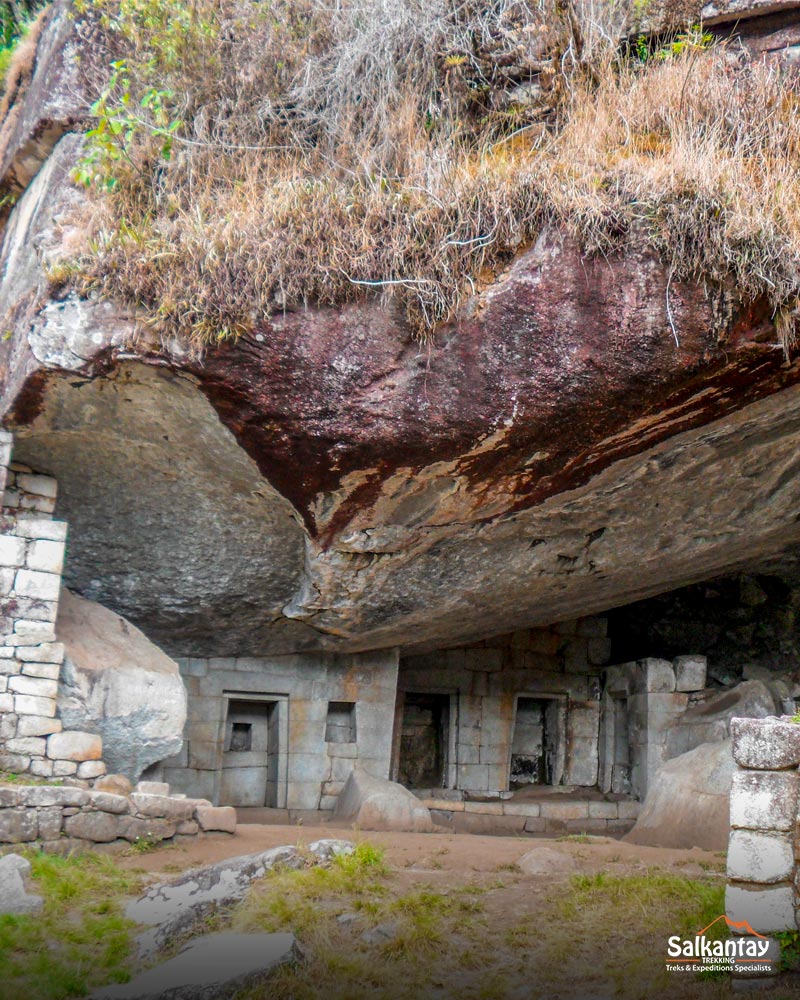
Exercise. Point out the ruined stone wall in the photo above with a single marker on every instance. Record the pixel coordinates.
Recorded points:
(326, 712)
(32, 738)
(764, 846)
(64, 818)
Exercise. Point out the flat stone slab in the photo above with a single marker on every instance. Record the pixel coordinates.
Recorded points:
(210, 966)
(173, 909)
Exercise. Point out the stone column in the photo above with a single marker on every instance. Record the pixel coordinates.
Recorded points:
(762, 888)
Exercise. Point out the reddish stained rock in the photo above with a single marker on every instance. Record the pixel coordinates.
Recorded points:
(566, 365)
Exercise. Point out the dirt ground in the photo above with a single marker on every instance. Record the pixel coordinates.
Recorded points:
(588, 921)
(434, 853)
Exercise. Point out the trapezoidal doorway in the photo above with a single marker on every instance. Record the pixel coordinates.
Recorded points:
(251, 753)
(537, 746)
(424, 740)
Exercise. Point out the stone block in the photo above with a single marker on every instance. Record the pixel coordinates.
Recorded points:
(7, 702)
(35, 610)
(109, 802)
(74, 745)
(473, 777)
(187, 828)
(216, 818)
(30, 633)
(489, 660)
(12, 550)
(766, 909)
(759, 857)
(485, 808)
(41, 486)
(134, 828)
(766, 744)
(89, 769)
(45, 556)
(31, 746)
(14, 762)
(162, 807)
(8, 797)
(50, 821)
(654, 676)
(521, 809)
(48, 652)
(8, 723)
(764, 800)
(204, 756)
(41, 527)
(41, 767)
(64, 768)
(49, 671)
(18, 826)
(628, 809)
(690, 672)
(603, 810)
(37, 686)
(535, 824)
(152, 788)
(37, 725)
(53, 795)
(10, 667)
(25, 704)
(31, 583)
(565, 810)
(99, 827)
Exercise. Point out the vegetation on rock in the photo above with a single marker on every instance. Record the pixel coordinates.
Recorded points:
(251, 158)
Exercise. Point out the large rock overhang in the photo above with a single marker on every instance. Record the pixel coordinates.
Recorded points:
(588, 433)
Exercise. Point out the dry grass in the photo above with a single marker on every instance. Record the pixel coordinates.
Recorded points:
(412, 149)
(474, 936)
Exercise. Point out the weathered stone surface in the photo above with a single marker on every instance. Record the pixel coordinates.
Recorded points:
(161, 806)
(220, 818)
(152, 787)
(18, 826)
(135, 828)
(109, 802)
(13, 896)
(74, 745)
(99, 827)
(173, 909)
(377, 804)
(117, 684)
(117, 784)
(690, 673)
(212, 966)
(546, 861)
(766, 744)
(764, 800)
(760, 857)
(768, 909)
(687, 803)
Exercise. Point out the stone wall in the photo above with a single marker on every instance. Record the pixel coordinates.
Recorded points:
(764, 846)
(558, 668)
(32, 738)
(321, 713)
(62, 818)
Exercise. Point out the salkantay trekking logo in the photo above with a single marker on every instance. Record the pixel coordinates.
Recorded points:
(746, 952)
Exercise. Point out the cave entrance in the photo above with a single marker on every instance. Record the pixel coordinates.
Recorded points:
(537, 754)
(252, 753)
(424, 740)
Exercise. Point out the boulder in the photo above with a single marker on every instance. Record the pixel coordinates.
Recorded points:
(211, 966)
(117, 684)
(546, 861)
(377, 804)
(688, 801)
(13, 896)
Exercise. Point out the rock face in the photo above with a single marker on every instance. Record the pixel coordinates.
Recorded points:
(688, 803)
(325, 483)
(116, 683)
(377, 804)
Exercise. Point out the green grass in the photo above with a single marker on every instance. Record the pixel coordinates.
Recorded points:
(79, 940)
(10, 778)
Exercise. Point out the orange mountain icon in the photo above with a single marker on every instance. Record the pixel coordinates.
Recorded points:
(742, 926)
